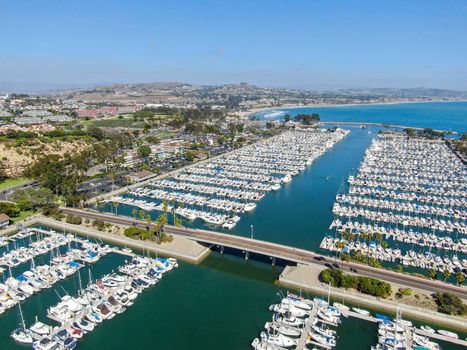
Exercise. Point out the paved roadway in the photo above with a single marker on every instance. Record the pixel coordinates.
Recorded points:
(280, 251)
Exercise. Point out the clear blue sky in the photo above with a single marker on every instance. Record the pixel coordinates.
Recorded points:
(309, 43)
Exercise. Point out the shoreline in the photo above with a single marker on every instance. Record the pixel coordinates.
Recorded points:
(284, 279)
(329, 105)
(306, 277)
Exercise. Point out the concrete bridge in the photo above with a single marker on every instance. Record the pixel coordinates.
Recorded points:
(276, 251)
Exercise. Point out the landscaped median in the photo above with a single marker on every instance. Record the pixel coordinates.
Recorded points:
(366, 285)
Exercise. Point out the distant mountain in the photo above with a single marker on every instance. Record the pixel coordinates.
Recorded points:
(7, 87)
(419, 92)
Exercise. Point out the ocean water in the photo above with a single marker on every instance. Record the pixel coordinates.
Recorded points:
(450, 116)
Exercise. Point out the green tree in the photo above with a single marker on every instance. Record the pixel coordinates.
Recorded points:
(190, 155)
(50, 170)
(144, 151)
(32, 198)
(95, 132)
(9, 209)
(134, 212)
(3, 175)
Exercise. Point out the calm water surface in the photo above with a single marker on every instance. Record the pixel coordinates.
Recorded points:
(223, 302)
(437, 115)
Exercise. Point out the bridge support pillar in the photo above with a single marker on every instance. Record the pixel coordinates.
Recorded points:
(247, 255)
(222, 249)
(273, 261)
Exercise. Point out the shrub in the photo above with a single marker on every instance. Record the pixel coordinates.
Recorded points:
(99, 224)
(366, 285)
(135, 232)
(405, 291)
(374, 287)
(450, 304)
(73, 219)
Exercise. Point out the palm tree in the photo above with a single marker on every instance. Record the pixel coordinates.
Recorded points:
(432, 273)
(134, 212)
(363, 236)
(148, 220)
(174, 214)
(340, 245)
(98, 202)
(379, 237)
(142, 214)
(446, 274)
(460, 278)
(180, 222)
(165, 206)
(115, 205)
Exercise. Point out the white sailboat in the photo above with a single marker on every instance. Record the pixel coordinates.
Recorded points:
(22, 335)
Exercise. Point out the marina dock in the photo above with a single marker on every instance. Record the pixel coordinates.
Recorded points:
(304, 336)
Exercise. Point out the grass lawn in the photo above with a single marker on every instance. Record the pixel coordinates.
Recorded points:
(119, 123)
(23, 215)
(13, 182)
(165, 134)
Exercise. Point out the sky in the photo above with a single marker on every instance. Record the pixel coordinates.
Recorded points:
(313, 44)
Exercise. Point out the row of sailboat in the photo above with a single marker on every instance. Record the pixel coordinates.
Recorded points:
(409, 192)
(99, 301)
(299, 323)
(218, 191)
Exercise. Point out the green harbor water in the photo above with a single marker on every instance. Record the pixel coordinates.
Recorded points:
(223, 302)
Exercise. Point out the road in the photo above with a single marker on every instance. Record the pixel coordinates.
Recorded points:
(280, 251)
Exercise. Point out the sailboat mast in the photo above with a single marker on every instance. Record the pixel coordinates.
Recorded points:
(80, 284)
(21, 315)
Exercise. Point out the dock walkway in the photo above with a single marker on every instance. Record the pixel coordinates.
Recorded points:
(409, 339)
(304, 336)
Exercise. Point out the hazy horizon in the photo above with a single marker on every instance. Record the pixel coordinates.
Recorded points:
(40, 87)
(301, 44)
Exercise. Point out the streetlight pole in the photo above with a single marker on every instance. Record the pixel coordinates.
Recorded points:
(251, 231)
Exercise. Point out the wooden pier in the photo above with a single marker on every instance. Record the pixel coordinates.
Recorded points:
(306, 330)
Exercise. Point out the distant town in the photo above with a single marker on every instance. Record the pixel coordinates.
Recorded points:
(154, 128)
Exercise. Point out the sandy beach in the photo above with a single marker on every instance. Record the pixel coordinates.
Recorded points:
(327, 105)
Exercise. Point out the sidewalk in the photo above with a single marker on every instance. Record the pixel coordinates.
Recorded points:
(306, 277)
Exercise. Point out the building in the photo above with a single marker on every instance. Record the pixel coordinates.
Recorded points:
(140, 176)
(4, 220)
